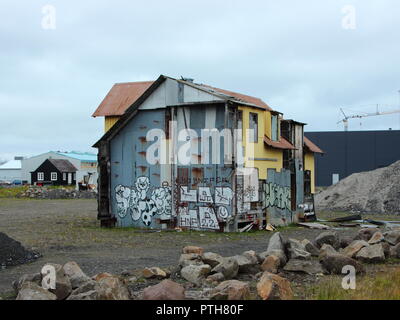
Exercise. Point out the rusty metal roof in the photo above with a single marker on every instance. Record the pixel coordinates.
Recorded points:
(121, 97)
(312, 146)
(239, 96)
(281, 144)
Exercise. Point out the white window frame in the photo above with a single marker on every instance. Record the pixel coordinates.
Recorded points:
(40, 176)
(64, 176)
(52, 175)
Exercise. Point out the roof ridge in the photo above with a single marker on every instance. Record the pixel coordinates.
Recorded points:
(132, 82)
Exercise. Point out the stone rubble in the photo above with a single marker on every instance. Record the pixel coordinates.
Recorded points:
(208, 275)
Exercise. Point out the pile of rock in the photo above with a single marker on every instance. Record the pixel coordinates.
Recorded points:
(216, 277)
(36, 192)
(13, 253)
(71, 283)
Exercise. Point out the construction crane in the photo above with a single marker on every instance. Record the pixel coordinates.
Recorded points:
(346, 118)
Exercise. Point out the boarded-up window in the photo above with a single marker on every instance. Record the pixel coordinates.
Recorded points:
(183, 176)
(197, 176)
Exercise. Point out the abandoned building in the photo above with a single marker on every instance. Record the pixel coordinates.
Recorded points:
(180, 154)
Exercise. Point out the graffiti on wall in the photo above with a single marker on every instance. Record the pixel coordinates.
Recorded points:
(141, 204)
(204, 216)
(277, 196)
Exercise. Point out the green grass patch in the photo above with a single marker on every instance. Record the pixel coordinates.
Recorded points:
(384, 285)
(12, 192)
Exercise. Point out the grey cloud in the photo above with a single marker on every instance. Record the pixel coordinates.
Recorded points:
(294, 55)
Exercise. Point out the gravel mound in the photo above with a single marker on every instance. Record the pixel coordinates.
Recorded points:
(12, 253)
(376, 191)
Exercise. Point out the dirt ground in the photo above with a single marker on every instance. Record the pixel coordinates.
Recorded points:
(67, 230)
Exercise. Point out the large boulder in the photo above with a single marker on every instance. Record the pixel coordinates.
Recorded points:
(165, 290)
(304, 266)
(112, 288)
(386, 249)
(193, 249)
(87, 295)
(371, 254)
(154, 273)
(325, 250)
(299, 254)
(392, 237)
(246, 265)
(87, 291)
(278, 253)
(377, 237)
(32, 277)
(228, 267)
(345, 241)
(231, 290)
(297, 250)
(75, 274)
(102, 275)
(211, 258)
(365, 234)
(252, 256)
(352, 249)
(334, 263)
(310, 247)
(31, 291)
(63, 286)
(327, 237)
(395, 251)
(215, 277)
(195, 273)
(187, 259)
(276, 242)
(274, 287)
(271, 264)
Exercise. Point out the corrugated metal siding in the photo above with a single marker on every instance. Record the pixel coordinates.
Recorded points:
(278, 197)
(135, 184)
(353, 151)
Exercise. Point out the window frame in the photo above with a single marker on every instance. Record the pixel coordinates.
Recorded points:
(40, 176)
(52, 175)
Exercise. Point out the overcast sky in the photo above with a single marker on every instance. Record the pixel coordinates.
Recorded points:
(306, 60)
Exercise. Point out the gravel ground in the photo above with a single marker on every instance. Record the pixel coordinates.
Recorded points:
(67, 230)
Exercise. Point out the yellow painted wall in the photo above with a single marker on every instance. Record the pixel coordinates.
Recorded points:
(260, 149)
(309, 164)
(109, 122)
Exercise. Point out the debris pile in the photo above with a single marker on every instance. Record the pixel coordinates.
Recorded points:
(204, 275)
(36, 192)
(12, 253)
(376, 191)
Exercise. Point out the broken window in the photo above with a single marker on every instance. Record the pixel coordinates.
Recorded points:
(253, 125)
(274, 127)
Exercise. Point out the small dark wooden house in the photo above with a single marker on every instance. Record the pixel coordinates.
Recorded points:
(56, 172)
